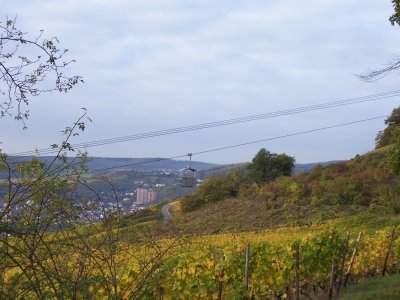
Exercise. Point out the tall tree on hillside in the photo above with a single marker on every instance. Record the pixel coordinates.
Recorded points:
(391, 135)
(388, 136)
(395, 18)
(393, 155)
(267, 166)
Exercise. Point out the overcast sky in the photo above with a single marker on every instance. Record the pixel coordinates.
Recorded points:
(158, 64)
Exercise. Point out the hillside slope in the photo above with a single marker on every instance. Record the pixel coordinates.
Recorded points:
(358, 186)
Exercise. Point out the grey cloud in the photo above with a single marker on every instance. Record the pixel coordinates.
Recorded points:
(158, 64)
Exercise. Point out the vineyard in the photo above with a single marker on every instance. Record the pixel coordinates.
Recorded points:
(229, 266)
(267, 269)
(72, 227)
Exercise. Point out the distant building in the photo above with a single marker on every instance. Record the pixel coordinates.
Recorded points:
(144, 196)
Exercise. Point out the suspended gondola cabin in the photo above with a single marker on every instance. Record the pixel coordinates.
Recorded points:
(189, 175)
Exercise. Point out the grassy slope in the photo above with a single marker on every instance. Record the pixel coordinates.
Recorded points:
(249, 214)
(383, 288)
(235, 215)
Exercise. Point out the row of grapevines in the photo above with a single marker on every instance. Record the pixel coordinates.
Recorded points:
(198, 272)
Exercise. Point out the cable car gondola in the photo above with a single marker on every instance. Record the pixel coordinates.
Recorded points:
(189, 175)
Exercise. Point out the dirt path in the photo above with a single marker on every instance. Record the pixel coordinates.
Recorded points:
(165, 212)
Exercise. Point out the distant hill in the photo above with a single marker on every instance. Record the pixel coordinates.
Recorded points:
(223, 170)
(305, 168)
(220, 170)
(158, 163)
(128, 164)
(150, 163)
(123, 172)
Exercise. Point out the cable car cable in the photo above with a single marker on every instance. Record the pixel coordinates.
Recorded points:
(250, 118)
(245, 144)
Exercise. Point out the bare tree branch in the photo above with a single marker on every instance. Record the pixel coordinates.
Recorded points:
(29, 66)
(375, 75)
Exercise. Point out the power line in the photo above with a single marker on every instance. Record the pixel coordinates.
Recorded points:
(245, 144)
(349, 101)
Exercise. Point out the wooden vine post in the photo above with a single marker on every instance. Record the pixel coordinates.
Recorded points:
(384, 269)
(332, 279)
(297, 257)
(343, 261)
(160, 293)
(221, 276)
(398, 271)
(353, 257)
(247, 271)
